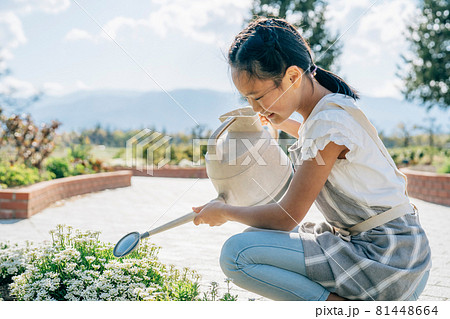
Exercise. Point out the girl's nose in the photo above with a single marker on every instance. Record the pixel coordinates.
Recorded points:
(255, 105)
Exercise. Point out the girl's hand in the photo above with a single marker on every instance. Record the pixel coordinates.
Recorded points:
(212, 213)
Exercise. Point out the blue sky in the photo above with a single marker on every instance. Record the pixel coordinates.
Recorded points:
(54, 46)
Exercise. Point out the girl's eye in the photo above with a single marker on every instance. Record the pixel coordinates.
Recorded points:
(245, 98)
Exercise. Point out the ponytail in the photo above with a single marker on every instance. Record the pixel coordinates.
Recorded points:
(334, 83)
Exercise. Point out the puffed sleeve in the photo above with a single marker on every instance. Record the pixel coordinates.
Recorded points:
(336, 126)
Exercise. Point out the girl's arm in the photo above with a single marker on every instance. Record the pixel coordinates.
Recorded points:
(289, 212)
(289, 126)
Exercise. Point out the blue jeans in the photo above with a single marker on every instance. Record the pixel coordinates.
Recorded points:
(271, 263)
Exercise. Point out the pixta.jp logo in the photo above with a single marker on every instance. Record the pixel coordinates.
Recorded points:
(144, 148)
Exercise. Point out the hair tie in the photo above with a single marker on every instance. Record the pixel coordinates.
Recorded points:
(314, 69)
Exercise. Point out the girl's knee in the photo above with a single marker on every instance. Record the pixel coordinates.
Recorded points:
(229, 254)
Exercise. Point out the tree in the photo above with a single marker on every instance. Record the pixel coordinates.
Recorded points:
(431, 129)
(32, 143)
(405, 133)
(426, 77)
(309, 17)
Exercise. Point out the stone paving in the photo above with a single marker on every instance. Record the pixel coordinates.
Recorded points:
(152, 201)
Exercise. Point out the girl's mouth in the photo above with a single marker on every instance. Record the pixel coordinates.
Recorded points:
(271, 115)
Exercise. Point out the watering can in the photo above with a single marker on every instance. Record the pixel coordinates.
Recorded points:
(245, 164)
(244, 161)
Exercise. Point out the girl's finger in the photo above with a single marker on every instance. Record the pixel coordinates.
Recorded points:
(197, 221)
(198, 209)
(263, 119)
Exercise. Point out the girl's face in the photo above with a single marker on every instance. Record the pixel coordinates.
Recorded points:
(275, 103)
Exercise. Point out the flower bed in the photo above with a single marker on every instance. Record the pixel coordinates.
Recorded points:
(77, 266)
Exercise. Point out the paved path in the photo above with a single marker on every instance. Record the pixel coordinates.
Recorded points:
(152, 201)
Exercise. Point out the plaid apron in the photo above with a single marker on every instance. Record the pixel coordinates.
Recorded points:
(384, 263)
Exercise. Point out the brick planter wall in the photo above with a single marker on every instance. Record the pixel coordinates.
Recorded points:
(431, 187)
(169, 171)
(27, 201)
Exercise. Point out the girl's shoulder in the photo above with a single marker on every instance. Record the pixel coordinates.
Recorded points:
(336, 101)
(330, 123)
(329, 113)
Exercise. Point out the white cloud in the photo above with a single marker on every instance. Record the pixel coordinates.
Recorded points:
(47, 6)
(378, 30)
(203, 21)
(53, 88)
(16, 88)
(113, 26)
(386, 88)
(11, 30)
(11, 34)
(78, 34)
(373, 44)
(80, 85)
(388, 21)
(342, 13)
(57, 89)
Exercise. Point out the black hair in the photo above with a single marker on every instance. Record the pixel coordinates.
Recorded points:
(266, 48)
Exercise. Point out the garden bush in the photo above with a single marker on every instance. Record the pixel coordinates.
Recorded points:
(418, 155)
(445, 168)
(75, 265)
(59, 166)
(20, 175)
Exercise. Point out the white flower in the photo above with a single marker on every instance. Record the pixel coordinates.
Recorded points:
(90, 258)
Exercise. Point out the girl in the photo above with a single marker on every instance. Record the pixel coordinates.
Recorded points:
(372, 246)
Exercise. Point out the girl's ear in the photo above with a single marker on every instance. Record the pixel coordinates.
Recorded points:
(294, 76)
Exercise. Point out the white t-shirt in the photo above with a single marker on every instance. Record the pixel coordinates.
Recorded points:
(365, 174)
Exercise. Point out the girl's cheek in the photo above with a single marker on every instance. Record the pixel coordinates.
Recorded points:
(266, 105)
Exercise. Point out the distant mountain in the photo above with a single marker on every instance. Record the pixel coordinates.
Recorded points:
(135, 110)
(386, 113)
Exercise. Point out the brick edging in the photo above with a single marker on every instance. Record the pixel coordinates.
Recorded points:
(428, 186)
(168, 171)
(27, 201)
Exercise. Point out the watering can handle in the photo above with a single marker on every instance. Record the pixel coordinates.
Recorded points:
(226, 124)
(177, 222)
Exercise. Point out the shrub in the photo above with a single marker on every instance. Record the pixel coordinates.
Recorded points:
(445, 168)
(77, 266)
(59, 166)
(80, 152)
(32, 143)
(19, 175)
(70, 166)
